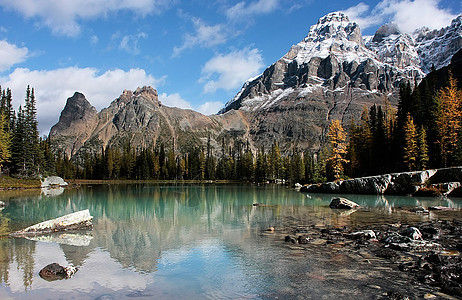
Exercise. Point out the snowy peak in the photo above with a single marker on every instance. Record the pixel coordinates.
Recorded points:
(334, 61)
(395, 48)
(436, 47)
(385, 31)
(332, 34)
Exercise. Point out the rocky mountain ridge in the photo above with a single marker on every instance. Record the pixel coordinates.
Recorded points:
(334, 57)
(333, 73)
(139, 118)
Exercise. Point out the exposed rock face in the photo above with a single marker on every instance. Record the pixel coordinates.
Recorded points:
(407, 183)
(333, 73)
(140, 118)
(76, 124)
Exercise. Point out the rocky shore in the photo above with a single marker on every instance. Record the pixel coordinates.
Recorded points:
(428, 252)
(435, 182)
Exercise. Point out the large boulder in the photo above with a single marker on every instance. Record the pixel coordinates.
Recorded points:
(343, 203)
(366, 185)
(75, 221)
(408, 183)
(55, 271)
(53, 181)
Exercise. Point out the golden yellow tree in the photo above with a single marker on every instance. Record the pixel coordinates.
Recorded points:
(410, 147)
(449, 118)
(338, 143)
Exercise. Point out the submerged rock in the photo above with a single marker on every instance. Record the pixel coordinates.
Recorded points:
(55, 271)
(342, 203)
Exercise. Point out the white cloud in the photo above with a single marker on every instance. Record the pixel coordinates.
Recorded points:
(408, 14)
(209, 108)
(204, 36)
(229, 71)
(411, 15)
(174, 100)
(53, 87)
(358, 14)
(10, 55)
(129, 43)
(94, 40)
(63, 17)
(242, 10)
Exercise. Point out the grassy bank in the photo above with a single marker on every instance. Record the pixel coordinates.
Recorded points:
(7, 182)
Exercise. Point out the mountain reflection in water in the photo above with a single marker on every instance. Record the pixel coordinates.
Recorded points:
(181, 241)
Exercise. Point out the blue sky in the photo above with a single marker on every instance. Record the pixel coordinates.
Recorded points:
(197, 54)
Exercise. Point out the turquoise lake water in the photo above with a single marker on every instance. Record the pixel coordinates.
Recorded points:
(194, 242)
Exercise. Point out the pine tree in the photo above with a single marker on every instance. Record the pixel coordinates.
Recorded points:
(18, 145)
(422, 149)
(338, 144)
(410, 146)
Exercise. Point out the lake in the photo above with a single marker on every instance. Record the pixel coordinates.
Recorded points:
(153, 241)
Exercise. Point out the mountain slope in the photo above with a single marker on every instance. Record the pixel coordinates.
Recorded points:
(139, 118)
(333, 73)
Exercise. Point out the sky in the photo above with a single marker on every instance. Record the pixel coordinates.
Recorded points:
(197, 54)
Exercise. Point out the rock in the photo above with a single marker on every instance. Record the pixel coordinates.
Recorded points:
(440, 208)
(364, 234)
(78, 220)
(53, 181)
(290, 239)
(342, 203)
(419, 209)
(303, 239)
(55, 271)
(412, 233)
(297, 186)
(444, 182)
(2, 204)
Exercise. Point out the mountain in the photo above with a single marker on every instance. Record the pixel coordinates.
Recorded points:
(139, 118)
(333, 73)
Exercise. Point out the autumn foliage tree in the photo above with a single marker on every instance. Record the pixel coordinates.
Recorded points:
(410, 147)
(338, 142)
(449, 119)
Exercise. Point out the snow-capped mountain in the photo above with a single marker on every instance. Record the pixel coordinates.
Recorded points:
(333, 73)
(336, 59)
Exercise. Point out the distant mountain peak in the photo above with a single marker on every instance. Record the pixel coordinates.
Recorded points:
(385, 31)
(332, 34)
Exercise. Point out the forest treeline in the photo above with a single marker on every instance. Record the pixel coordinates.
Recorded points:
(423, 132)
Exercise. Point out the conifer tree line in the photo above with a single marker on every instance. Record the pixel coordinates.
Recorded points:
(424, 132)
(22, 152)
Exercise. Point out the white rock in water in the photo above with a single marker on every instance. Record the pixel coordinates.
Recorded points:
(78, 220)
(51, 181)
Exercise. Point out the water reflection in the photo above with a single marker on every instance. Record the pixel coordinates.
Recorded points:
(154, 238)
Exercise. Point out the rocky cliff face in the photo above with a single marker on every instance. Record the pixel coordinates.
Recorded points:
(333, 73)
(139, 118)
